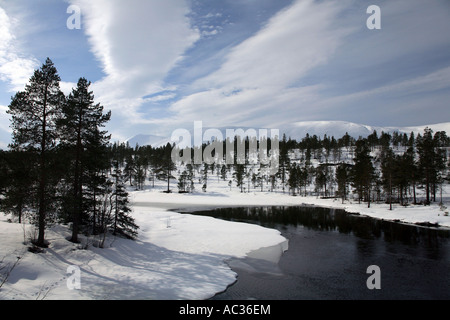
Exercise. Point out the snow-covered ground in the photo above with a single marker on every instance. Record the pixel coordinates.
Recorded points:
(176, 256)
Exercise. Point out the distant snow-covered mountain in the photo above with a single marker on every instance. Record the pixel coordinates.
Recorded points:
(147, 140)
(298, 130)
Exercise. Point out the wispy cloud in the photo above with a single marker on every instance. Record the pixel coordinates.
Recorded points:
(405, 99)
(316, 60)
(5, 130)
(258, 79)
(137, 43)
(4, 120)
(15, 66)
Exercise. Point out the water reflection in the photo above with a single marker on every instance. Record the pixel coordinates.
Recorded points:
(324, 219)
(426, 242)
(329, 251)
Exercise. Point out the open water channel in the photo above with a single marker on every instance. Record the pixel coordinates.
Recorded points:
(329, 252)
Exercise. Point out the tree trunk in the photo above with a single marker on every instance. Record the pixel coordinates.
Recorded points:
(20, 208)
(434, 191)
(390, 192)
(94, 214)
(43, 178)
(168, 181)
(401, 195)
(76, 213)
(116, 206)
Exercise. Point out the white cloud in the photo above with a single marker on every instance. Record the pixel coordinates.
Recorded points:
(408, 90)
(437, 80)
(66, 87)
(161, 97)
(316, 60)
(4, 119)
(15, 67)
(137, 43)
(257, 80)
(5, 130)
(293, 42)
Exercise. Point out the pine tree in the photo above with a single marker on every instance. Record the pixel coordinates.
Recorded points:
(204, 173)
(4, 173)
(385, 139)
(387, 172)
(98, 185)
(411, 169)
(430, 161)
(342, 178)
(97, 189)
(82, 139)
(363, 172)
(411, 140)
(303, 176)
(440, 141)
(123, 222)
(404, 169)
(141, 165)
(238, 174)
(165, 165)
(34, 112)
(373, 140)
(18, 176)
(130, 168)
(284, 160)
(294, 178)
(261, 176)
(223, 172)
(182, 182)
(323, 178)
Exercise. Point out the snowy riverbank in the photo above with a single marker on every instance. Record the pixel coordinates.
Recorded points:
(176, 256)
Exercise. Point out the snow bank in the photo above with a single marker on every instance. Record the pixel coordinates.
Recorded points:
(202, 235)
(124, 270)
(176, 256)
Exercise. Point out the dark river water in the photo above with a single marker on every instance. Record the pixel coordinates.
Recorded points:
(329, 253)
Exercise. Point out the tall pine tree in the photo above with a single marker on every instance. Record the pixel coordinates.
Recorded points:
(432, 160)
(363, 171)
(387, 158)
(342, 179)
(165, 165)
(34, 112)
(82, 138)
(19, 177)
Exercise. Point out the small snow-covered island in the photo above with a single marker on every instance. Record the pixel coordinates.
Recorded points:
(89, 219)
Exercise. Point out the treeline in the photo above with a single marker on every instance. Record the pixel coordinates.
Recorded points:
(58, 168)
(144, 163)
(386, 167)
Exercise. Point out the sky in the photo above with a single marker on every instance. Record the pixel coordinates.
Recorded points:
(160, 65)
